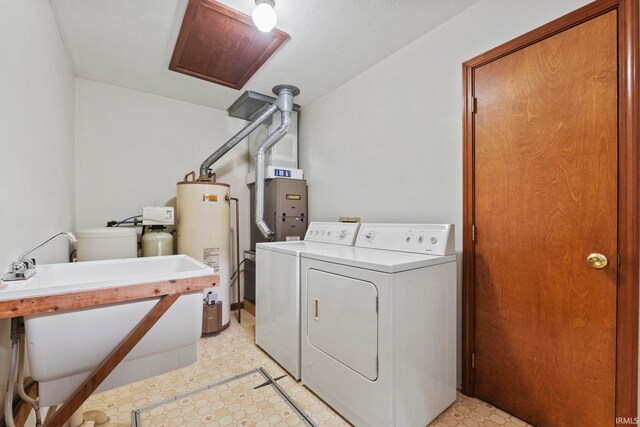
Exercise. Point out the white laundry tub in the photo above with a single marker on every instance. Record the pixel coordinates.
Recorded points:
(64, 348)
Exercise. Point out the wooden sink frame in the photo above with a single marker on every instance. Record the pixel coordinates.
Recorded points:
(168, 291)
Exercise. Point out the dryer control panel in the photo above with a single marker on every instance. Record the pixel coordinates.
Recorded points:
(431, 239)
(339, 233)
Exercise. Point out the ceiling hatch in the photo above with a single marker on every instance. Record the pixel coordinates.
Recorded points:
(221, 45)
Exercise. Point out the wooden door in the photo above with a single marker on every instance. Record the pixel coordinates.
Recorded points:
(545, 197)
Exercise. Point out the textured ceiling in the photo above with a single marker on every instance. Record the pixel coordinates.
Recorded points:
(129, 42)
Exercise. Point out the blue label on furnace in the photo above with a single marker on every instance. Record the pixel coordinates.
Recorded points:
(282, 172)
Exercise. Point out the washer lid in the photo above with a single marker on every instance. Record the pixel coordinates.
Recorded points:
(297, 247)
(378, 259)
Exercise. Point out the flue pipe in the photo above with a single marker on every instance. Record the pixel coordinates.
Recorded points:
(284, 102)
(262, 117)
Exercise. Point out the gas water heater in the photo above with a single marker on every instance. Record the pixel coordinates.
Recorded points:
(202, 205)
(202, 220)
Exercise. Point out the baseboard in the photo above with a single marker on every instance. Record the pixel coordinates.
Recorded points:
(247, 305)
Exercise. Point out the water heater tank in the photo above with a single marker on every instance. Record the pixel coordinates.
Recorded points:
(202, 220)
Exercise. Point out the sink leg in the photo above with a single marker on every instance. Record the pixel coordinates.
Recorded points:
(76, 419)
(79, 418)
(98, 417)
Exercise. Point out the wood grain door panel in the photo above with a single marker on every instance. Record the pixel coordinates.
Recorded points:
(221, 45)
(545, 179)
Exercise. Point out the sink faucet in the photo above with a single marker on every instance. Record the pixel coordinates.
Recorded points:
(24, 268)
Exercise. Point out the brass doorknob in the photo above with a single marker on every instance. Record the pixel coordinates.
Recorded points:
(596, 260)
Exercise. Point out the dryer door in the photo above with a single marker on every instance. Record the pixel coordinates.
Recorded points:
(342, 320)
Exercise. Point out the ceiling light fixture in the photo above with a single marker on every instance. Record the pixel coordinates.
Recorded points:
(264, 16)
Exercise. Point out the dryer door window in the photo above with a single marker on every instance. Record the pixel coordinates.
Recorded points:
(342, 320)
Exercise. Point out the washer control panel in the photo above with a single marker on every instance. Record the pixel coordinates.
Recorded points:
(340, 233)
(432, 239)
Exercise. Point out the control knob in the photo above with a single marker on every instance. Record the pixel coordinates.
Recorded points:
(343, 234)
(369, 236)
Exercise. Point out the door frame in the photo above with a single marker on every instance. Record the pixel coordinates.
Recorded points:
(628, 191)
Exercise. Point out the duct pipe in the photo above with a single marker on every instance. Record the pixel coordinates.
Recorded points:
(264, 116)
(284, 103)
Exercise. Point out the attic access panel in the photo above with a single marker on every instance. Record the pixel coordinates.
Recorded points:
(221, 45)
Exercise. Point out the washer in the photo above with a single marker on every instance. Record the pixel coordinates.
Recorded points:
(379, 325)
(278, 288)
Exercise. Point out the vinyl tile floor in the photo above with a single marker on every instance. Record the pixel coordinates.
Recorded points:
(233, 352)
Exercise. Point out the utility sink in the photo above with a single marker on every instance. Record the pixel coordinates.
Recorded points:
(53, 279)
(63, 348)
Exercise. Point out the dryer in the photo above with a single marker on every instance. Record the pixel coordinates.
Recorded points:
(278, 288)
(379, 324)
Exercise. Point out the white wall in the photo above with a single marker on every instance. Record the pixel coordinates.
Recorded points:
(133, 147)
(36, 139)
(387, 145)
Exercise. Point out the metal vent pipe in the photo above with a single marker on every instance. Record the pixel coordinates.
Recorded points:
(284, 102)
(263, 117)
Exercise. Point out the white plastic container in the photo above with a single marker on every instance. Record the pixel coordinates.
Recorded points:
(106, 243)
(202, 220)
